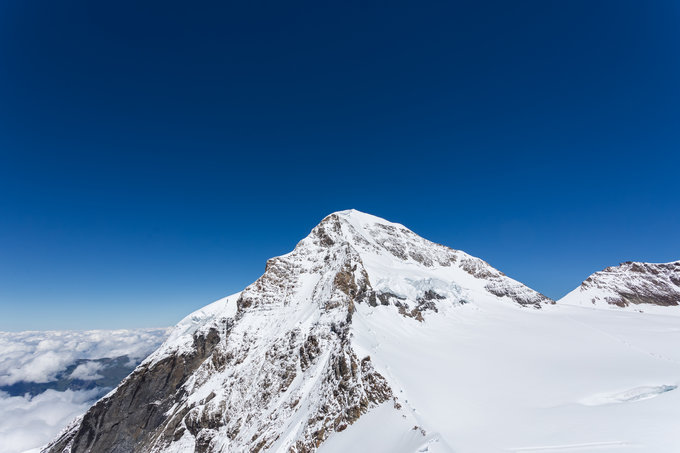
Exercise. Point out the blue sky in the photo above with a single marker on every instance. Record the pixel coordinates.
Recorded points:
(153, 155)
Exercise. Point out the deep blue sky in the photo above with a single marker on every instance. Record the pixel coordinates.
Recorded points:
(154, 155)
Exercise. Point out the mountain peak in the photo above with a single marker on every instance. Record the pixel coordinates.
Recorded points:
(630, 284)
(291, 335)
(389, 251)
(354, 225)
(359, 218)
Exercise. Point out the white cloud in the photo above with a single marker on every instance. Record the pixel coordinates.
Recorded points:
(27, 423)
(88, 371)
(39, 356)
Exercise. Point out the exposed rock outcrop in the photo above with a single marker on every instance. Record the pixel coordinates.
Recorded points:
(630, 284)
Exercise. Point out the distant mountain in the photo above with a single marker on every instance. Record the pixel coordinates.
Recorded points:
(368, 337)
(630, 284)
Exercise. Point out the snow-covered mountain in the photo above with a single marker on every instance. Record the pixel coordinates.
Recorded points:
(630, 284)
(369, 337)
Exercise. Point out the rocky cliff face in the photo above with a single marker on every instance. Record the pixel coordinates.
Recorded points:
(274, 368)
(630, 284)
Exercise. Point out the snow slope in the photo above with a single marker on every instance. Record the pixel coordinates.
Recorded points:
(369, 337)
(490, 377)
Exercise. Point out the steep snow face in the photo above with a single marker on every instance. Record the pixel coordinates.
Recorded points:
(639, 286)
(283, 364)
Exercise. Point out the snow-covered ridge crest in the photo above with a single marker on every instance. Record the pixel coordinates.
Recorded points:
(630, 285)
(276, 367)
(391, 249)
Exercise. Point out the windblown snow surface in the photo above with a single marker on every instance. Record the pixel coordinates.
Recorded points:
(462, 359)
(489, 376)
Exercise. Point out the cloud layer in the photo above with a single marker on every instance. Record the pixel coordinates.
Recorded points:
(39, 356)
(29, 422)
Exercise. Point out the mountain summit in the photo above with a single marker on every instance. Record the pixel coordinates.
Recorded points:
(368, 337)
(274, 367)
(630, 284)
